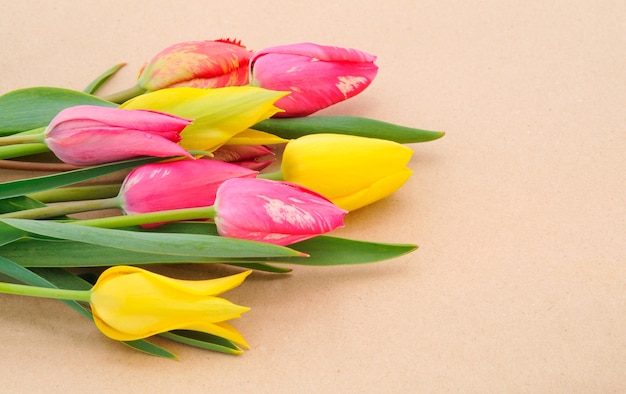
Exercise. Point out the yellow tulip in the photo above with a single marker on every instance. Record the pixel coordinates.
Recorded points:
(130, 303)
(350, 171)
(218, 114)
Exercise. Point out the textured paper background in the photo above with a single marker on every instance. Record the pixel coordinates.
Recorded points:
(519, 284)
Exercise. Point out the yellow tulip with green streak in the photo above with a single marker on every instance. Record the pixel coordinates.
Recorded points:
(218, 114)
(350, 171)
(130, 303)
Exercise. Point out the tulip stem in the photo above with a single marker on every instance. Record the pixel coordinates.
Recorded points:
(125, 95)
(151, 217)
(77, 193)
(45, 292)
(21, 138)
(64, 208)
(275, 176)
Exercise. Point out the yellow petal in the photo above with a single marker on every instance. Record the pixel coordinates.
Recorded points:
(375, 192)
(255, 137)
(131, 303)
(218, 114)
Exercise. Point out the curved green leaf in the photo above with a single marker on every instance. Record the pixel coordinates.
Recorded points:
(291, 128)
(203, 340)
(30, 108)
(93, 87)
(187, 245)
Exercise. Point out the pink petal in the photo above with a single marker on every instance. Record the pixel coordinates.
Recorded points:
(273, 212)
(105, 145)
(317, 76)
(176, 185)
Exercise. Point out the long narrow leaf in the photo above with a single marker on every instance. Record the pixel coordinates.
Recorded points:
(30, 108)
(153, 242)
(290, 128)
(203, 340)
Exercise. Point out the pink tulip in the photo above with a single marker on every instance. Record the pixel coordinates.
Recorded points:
(317, 76)
(197, 64)
(176, 185)
(249, 156)
(90, 135)
(274, 212)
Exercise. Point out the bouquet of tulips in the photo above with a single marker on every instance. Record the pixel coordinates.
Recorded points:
(213, 156)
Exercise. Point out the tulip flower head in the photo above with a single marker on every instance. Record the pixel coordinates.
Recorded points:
(176, 185)
(90, 135)
(317, 75)
(351, 171)
(129, 303)
(198, 64)
(274, 212)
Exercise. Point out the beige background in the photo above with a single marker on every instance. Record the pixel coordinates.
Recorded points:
(519, 283)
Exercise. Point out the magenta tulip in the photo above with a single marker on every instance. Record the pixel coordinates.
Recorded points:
(176, 185)
(317, 76)
(90, 135)
(197, 64)
(274, 212)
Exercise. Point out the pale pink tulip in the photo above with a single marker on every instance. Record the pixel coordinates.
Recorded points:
(197, 64)
(317, 75)
(272, 211)
(254, 157)
(176, 185)
(90, 135)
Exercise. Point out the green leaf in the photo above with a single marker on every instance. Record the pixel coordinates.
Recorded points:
(18, 203)
(203, 340)
(32, 185)
(323, 250)
(189, 245)
(30, 108)
(326, 251)
(291, 128)
(93, 87)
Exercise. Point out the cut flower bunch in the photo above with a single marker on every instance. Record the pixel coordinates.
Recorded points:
(214, 156)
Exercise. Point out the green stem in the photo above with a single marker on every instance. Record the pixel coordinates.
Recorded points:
(148, 218)
(125, 95)
(22, 138)
(77, 193)
(12, 151)
(62, 209)
(276, 176)
(45, 292)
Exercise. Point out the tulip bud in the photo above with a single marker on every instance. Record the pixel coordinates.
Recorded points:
(198, 64)
(90, 135)
(317, 76)
(176, 185)
(273, 212)
(129, 303)
(351, 171)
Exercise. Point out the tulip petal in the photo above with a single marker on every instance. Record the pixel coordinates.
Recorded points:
(130, 303)
(201, 64)
(87, 148)
(273, 212)
(351, 171)
(176, 185)
(377, 191)
(255, 137)
(219, 114)
(318, 76)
